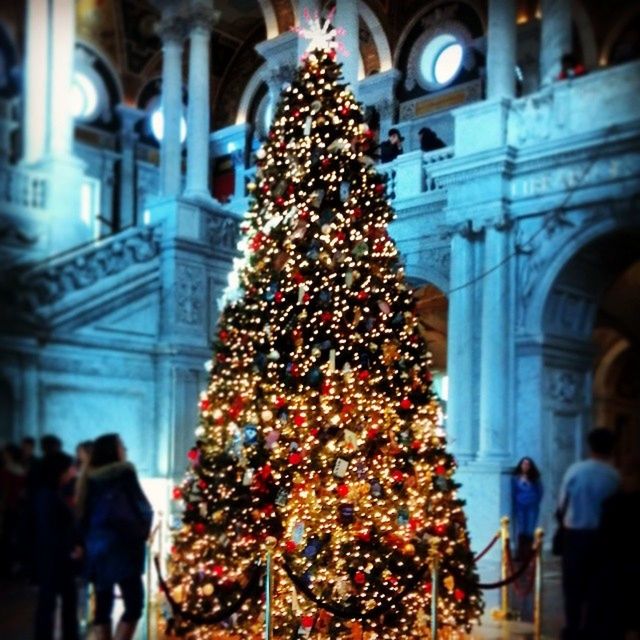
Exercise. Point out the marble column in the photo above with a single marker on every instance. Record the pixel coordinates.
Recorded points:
(494, 346)
(347, 18)
(63, 35)
(310, 7)
(36, 81)
(501, 49)
(171, 30)
(200, 22)
(461, 349)
(555, 38)
(129, 117)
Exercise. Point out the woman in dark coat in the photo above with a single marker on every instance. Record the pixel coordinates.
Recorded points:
(115, 518)
(526, 495)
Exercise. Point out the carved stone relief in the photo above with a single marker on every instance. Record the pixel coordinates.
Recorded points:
(190, 293)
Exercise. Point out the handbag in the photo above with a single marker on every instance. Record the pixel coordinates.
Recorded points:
(558, 540)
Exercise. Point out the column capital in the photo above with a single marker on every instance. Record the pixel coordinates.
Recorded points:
(171, 29)
(201, 16)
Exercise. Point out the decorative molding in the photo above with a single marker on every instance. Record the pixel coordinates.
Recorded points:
(51, 281)
(189, 294)
(564, 387)
(221, 231)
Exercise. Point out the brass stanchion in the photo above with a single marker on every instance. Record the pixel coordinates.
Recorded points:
(537, 596)
(504, 566)
(434, 558)
(268, 585)
(149, 572)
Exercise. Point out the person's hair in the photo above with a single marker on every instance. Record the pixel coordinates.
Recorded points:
(54, 467)
(29, 440)
(50, 444)
(601, 441)
(14, 452)
(105, 450)
(533, 474)
(85, 445)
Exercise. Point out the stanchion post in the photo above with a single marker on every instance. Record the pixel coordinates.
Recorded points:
(537, 596)
(434, 558)
(268, 584)
(504, 565)
(149, 552)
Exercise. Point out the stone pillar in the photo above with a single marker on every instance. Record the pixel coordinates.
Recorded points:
(495, 321)
(129, 117)
(171, 31)
(310, 7)
(555, 38)
(36, 82)
(347, 18)
(200, 20)
(63, 35)
(501, 49)
(461, 352)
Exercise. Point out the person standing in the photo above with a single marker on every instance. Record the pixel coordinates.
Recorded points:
(585, 487)
(526, 495)
(391, 148)
(115, 519)
(429, 140)
(57, 548)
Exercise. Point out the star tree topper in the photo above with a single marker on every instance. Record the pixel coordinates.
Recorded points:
(320, 33)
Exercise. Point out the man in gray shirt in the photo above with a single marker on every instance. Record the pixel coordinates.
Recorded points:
(585, 486)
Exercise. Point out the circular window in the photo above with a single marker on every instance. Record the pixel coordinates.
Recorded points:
(441, 60)
(157, 125)
(83, 97)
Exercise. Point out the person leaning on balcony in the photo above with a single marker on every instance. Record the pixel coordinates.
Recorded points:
(115, 520)
(429, 140)
(391, 148)
(570, 67)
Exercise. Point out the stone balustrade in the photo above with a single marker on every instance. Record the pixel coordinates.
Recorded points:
(22, 190)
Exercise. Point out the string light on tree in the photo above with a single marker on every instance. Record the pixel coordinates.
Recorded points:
(318, 428)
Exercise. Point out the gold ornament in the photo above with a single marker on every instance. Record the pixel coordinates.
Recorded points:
(207, 589)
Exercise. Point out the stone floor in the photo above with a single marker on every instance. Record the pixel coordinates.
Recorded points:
(17, 604)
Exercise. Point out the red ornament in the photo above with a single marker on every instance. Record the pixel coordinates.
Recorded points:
(298, 420)
(306, 297)
(280, 201)
(296, 113)
(342, 490)
(379, 188)
(332, 54)
(202, 484)
(177, 493)
(325, 162)
(223, 335)
(416, 444)
(290, 546)
(278, 296)
(357, 212)
(298, 278)
(440, 470)
(218, 570)
(459, 595)
(345, 111)
(360, 578)
(199, 528)
(265, 188)
(405, 403)
(362, 295)
(295, 458)
(325, 390)
(397, 475)
(307, 622)
(440, 529)
(363, 375)
(265, 472)
(364, 535)
(326, 316)
(427, 587)
(314, 432)
(204, 404)
(193, 455)
(372, 433)
(281, 402)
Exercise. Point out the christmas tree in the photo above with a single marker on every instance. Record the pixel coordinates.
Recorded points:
(319, 433)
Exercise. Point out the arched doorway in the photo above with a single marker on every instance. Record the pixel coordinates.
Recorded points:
(432, 306)
(590, 354)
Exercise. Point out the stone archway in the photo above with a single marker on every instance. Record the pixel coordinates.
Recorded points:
(584, 331)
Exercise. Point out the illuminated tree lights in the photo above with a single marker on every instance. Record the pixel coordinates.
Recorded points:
(318, 428)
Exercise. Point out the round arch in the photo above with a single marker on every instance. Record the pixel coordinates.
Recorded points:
(474, 4)
(569, 247)
(614, 33)
(270, 18)
(257, 79)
